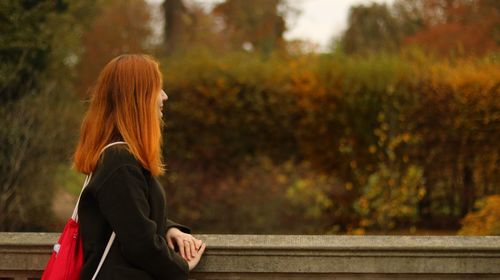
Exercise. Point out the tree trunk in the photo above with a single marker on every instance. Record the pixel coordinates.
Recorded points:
(174, 11)
(468, 191)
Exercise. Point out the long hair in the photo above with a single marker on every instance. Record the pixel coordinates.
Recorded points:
(124, 106)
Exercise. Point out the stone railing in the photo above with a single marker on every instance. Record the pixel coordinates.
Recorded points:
(24, 255)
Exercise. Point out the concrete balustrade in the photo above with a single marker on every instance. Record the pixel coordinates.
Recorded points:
(24, 255)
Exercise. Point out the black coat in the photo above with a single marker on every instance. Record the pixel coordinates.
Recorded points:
(124, 197)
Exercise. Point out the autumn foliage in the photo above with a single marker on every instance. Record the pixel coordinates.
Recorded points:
(332, 143)
(395, 128)
(484, 221)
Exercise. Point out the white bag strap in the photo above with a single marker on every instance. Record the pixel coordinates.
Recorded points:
(74, 216)
(106, 251)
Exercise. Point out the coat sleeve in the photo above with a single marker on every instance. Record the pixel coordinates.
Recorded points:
(123, 201)
(171, 224)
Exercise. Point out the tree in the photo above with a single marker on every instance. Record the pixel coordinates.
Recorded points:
(189, 28)
(371, 28)
(460, 27)
(119, 27)
(38, 43)
(444, 27)
(176, 21)
(24, 47)
(254, 25)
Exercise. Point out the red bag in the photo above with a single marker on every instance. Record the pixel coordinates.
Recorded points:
(66, 260)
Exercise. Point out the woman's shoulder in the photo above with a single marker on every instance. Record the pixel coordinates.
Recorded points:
(116, 162)
(115, 158)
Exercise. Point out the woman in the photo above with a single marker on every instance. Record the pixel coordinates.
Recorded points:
(123, 195)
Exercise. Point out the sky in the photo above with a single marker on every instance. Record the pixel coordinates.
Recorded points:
(322, 20)
(319, 20)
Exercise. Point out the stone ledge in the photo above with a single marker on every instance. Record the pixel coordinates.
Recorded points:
(303, 256)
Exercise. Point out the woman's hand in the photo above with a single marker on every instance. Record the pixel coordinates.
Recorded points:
(196, 259)
(188, 245)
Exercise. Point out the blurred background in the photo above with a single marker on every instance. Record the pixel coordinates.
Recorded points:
(284, 116)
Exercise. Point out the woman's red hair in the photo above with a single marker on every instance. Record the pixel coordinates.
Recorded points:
(124, 107)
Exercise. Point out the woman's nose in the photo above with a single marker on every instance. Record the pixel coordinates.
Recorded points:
(164, 96)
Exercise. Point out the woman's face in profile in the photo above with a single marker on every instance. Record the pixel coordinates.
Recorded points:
(162, 97)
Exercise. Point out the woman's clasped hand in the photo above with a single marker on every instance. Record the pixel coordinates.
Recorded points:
(189, 247)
